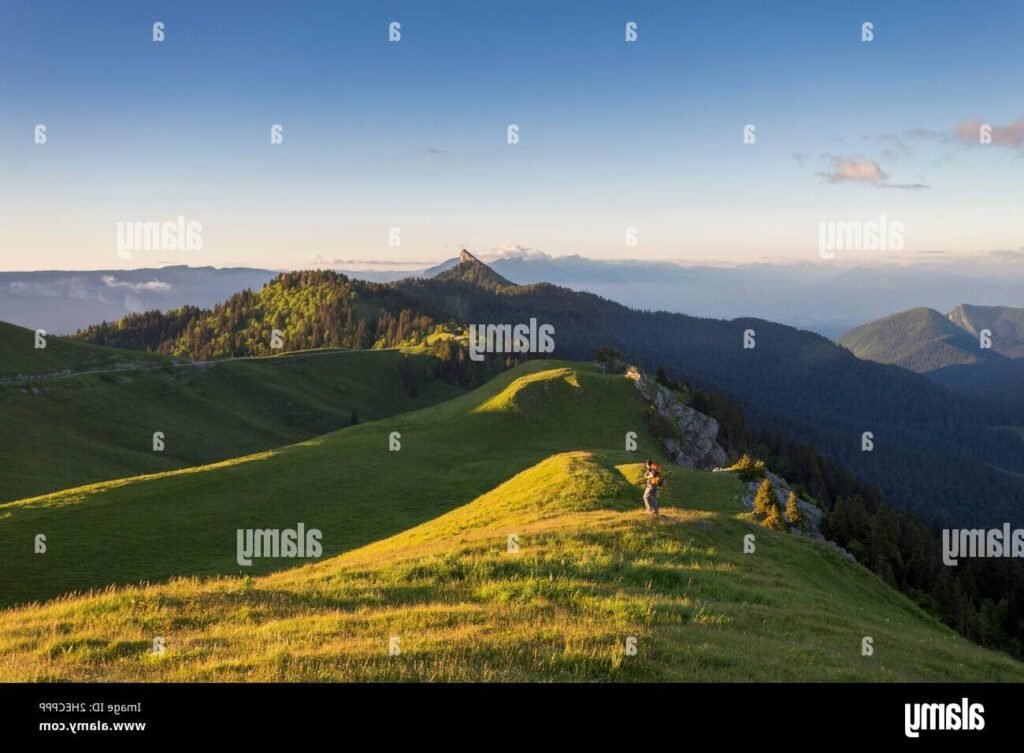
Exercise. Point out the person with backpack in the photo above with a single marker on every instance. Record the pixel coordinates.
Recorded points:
(652, 475)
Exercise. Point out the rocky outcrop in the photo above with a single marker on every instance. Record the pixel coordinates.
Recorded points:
(693, 443)
(811, 515)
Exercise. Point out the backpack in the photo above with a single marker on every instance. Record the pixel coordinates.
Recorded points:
(657, 480)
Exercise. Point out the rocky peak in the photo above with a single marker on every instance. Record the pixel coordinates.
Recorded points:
(473, 271)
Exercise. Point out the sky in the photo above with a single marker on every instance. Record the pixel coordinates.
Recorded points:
(625, 149)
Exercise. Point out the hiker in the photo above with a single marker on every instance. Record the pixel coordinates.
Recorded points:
(652, 475)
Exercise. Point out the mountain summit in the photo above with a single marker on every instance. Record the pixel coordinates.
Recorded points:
(925, 341)
(949, 349)
(471, 270)
(921, 339)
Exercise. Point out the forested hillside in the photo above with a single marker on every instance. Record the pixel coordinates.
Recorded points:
(310, 309)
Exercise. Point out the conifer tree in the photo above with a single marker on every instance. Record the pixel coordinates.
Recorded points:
(793, 515)
(764, 500)
(774, 518)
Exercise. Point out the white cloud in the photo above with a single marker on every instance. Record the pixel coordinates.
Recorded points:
(512, 251)
(112, 282)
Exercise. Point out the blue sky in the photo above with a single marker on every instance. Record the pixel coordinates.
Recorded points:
(412, 134)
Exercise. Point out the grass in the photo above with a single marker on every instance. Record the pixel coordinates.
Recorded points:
(592, 570)
(348, 484)
(19, 355)
(86, 429)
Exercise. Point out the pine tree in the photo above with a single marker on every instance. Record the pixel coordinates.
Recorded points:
(793, 515)
(765, 500)
(774, 518)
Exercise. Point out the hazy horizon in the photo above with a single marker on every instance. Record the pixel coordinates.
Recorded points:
(1010, 259)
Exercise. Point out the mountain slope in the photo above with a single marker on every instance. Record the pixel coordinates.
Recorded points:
(947, 349)
(448, 601)
(94, 427)
(1005, 323)
(20, 356)
(920, 339)
(308, 310)
(348, 484)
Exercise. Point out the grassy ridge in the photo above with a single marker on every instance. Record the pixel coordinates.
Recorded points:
(348, 484)
(591, 571)
(18, 354)
(85, 429)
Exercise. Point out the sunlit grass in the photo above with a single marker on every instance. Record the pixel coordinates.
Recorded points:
(348, 484)
(592, 569)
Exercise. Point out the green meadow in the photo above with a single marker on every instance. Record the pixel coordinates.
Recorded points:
(88, 428)
(589, 575)
(497, 536)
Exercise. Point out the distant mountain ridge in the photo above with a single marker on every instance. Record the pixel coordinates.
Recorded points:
(949, 348)
(65, 301)
(824, 298)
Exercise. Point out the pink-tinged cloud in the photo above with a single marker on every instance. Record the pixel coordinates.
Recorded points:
(855, 170)
(1010, 135)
